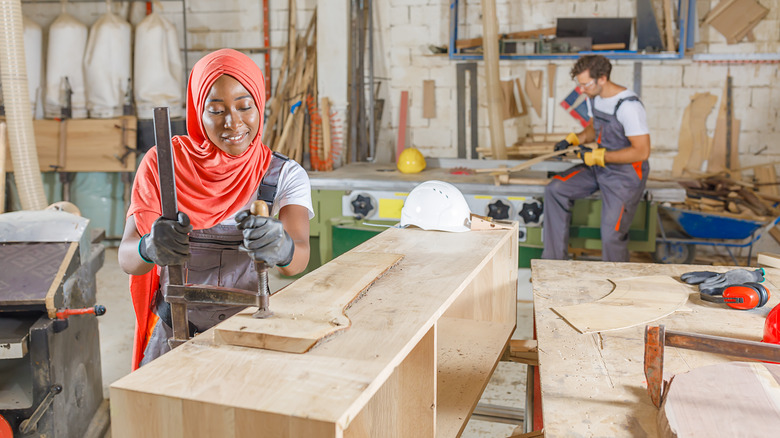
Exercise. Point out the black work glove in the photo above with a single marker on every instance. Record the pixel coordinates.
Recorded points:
(168, 243)
(561, 145)
(570, 140)
(265, 239)
(712, 280)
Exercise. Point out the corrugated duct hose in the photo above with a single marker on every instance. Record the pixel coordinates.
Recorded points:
(13, 73)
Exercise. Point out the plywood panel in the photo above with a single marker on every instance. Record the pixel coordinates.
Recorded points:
(634, 301)
(468, 354)
(732, 399)
(46, 143)
(91, 145)
(311, 308)
(326, 389)
(429, 99)
(596, 381)
(533, 87)
(97, 145)
(406, 403)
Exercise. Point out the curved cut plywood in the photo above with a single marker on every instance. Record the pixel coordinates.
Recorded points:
(634, 301)
(310, 309)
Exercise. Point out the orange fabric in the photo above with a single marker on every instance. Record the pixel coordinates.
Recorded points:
(142, 289)
(566, 178)
(620, 218)
(638, 168)
(211, 185)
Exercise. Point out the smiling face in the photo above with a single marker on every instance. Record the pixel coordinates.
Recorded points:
(230, 117)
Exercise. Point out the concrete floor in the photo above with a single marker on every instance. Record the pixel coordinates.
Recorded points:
(506, 387)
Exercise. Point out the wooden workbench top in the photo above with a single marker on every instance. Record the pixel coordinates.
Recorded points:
(445, 312)
(376, 176)
(593, 385)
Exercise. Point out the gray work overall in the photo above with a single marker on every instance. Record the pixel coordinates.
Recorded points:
(214, 259)
(621, 186)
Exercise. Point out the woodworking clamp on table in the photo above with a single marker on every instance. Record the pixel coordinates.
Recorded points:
(178, 294)
(658, 337)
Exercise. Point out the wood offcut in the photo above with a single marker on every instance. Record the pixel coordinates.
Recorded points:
(723, 400)
(634, 301)
(304, 313)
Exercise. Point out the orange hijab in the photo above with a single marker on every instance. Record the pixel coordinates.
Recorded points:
(211, 185)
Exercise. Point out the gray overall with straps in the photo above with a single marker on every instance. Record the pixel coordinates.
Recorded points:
(215, 260)
(621, 186)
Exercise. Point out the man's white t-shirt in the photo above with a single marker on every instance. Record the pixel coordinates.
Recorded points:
(631, 113)
(293, 188)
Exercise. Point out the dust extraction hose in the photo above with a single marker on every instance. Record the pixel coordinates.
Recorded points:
(21, 137)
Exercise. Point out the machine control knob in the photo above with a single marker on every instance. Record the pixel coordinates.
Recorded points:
(531, 212)
(362, 206)
(498, 210)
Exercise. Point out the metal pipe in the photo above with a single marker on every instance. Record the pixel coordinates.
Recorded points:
(371, 104)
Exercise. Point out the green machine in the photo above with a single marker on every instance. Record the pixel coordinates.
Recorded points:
(358, 201)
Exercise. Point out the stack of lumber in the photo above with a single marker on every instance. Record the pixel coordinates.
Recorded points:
(294, 118)
(721, 195)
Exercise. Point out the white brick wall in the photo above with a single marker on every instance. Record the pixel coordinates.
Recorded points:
(405, 28)
(667, 86)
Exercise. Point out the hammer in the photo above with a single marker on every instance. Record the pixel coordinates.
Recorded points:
(260, 208)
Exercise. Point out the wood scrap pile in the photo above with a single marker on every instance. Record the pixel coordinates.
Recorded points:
(295, 117)
(724, 196)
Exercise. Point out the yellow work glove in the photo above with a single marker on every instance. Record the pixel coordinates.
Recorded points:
(571, 140)
(595, 156)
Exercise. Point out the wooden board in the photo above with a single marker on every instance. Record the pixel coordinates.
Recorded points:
(693, 144)
(767, 259)
(702, 105)
(304, 312)
(736, 18)
(403, 110)
(551, 69)
(381, 378)
(429, 99)
(595, 382)
(766, 177)
(634, 301)
(510, 110)
(717, 156)
(723, 400)
(668, 25)
(90, 145)
(492, 81)
(533, 88)
(526, 164)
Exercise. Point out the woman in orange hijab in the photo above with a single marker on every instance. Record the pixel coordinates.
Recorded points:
(219, 167)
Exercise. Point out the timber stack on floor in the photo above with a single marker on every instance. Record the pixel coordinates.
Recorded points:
(718, 194)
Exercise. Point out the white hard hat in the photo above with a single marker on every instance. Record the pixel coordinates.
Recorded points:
(436, 205)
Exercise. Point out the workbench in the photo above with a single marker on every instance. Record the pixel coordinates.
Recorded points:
(423, 342)
(594, 384)
(340, 223)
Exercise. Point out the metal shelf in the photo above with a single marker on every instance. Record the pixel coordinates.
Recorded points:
(614, 54)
